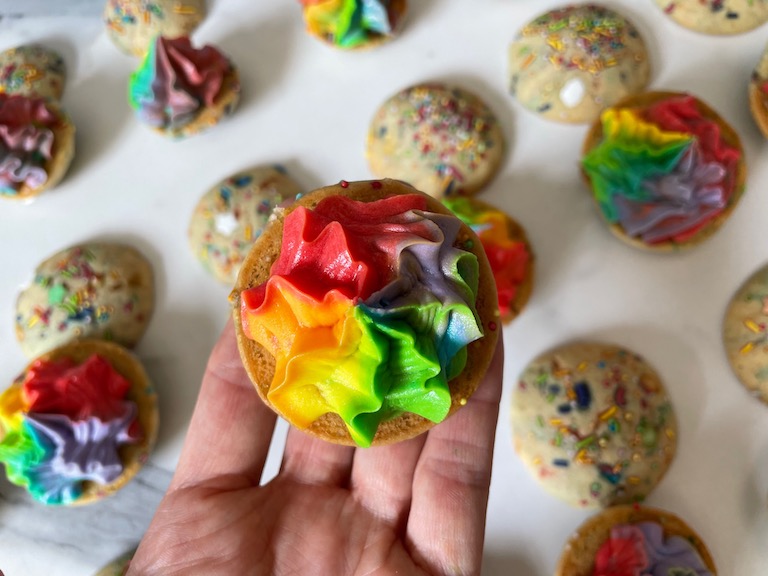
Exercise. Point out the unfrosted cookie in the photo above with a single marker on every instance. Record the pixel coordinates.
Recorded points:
(353, 24)
(97, 290)
(570, 63)
(78, 423)
(118, 567)
(133, 24)
(231, 216)
(593, 424)
(758, 94)
(179, 90)
(717, 16)
(665, 170)
(629, 540)
(745, 334)
(442, 140)
(506, 245)
(32, 70)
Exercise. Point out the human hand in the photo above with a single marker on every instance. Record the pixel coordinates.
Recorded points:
(416, 507)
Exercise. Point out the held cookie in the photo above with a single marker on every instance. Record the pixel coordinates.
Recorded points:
(758, 94)
(745, 334)
(37, 144)
(570, 63)
(118, 567)
(353, 24)
(593, 424)
(179, 90)
(231, 216)
(442, 140)
(34, 71)
(664, 169)
(97, 290)
(366, 313)
(507, 248)
(628, 540)
(78, 423)
(132, 25)
(718, 17)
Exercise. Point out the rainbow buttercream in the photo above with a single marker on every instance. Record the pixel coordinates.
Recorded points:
(175, 81)
(352, 23)
(368, 311)
(63, 425)
(662, 172)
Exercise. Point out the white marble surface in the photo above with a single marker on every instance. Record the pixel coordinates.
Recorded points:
(308, 107)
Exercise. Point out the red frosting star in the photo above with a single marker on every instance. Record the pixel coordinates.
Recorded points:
(623, 554)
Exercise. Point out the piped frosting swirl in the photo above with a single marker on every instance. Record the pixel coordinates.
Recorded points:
(352, 23)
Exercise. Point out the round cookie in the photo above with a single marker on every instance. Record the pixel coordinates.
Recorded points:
(745, 334)
(758, 94)
(381, 345)
(118, 567)
(635, 540)
(719, 17)
(132, 25)
(507, 247)
(570, 63)
(96, 290)
(593, 424)
(231, 216)
(442, 140)
(78, 424)
(37, 144)
(34, 71)
(354, 24)
(664, 169)
(179, 90)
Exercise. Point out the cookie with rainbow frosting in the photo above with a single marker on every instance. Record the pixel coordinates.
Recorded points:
(664, 169)
(718, 17)
(366, 313)
(758, 94)
(179, 90)
(507, 247)
(629, 540)
(78, 423)
(32, 70)
(593, 424)
(353, 24)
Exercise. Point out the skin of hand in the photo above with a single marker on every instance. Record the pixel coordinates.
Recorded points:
(416, 507)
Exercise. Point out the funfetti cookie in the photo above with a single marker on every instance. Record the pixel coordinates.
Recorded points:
(635, 540)
(32, 70)
(745, 334)
(664, 169)
(231, 216)
(593, 424)
(78, 423)
(37, 144)
(366, 313)
(758, 94)
(570, 63)
(507, 247)
(718, 17)
(442, 140)
(97, 290)
(179, 90)
(354, 24)
(132, 25)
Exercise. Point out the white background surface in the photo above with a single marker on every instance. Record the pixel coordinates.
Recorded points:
(308, 106)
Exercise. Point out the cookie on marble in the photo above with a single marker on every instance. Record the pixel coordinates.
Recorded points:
(758, 94)
(507, 247)
(745, 334)
(719, 17)
(37, 145)
(32, 70)
(231, 216)
(78, 423)
(179, 90)
(635, 540)
(96, 290)
(354, 24)
(442, 140)
(593, 424)
(664, 169)
(118, 567)
(132, 25)
(570, 63)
